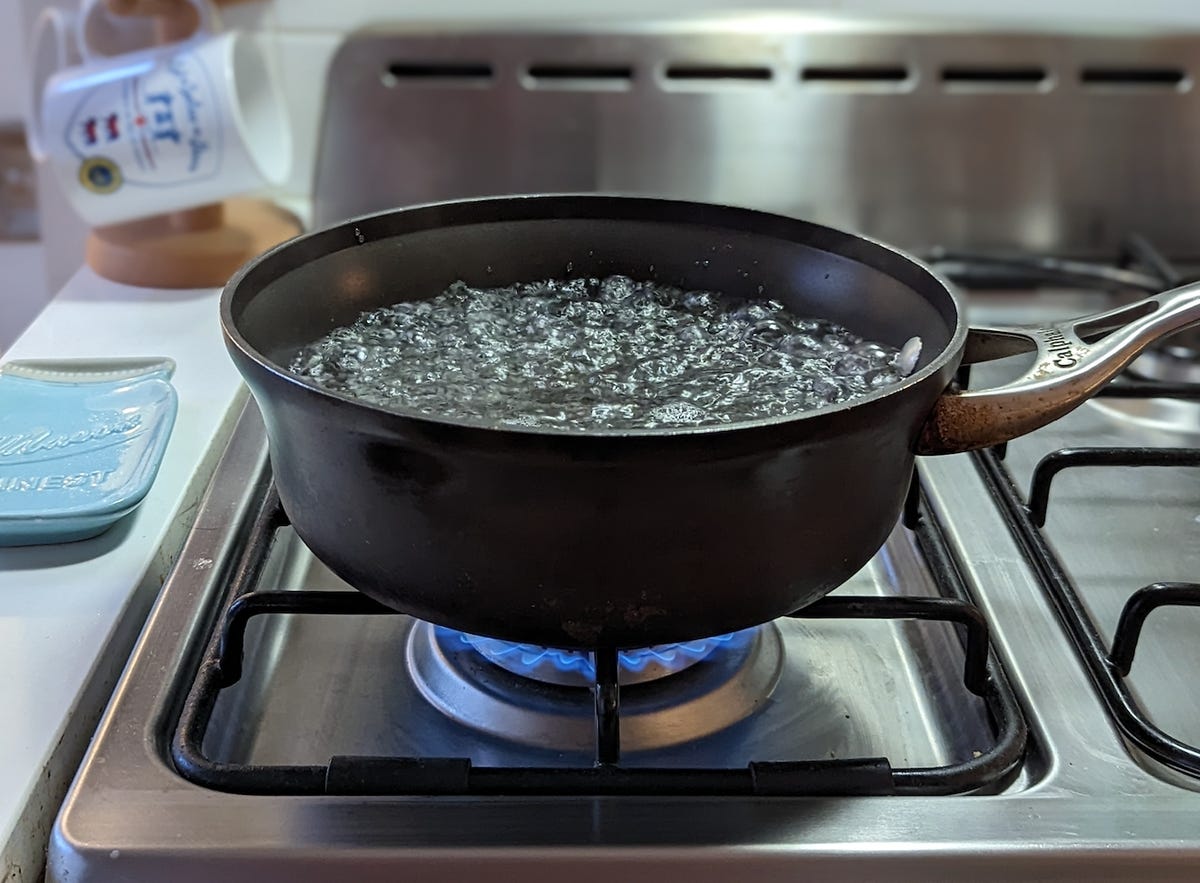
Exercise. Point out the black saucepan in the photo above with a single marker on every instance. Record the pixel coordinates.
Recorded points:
(620, 538)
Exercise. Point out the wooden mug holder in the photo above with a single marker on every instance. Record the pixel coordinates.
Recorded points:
(194, 248)
(197, 248)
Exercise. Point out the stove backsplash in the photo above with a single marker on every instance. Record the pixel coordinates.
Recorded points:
(1058, 143)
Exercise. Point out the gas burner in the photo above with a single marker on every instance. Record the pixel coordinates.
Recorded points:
(712, 685)
(1167, 415)
(1167, 386)
(575, 668)
(1169, 363)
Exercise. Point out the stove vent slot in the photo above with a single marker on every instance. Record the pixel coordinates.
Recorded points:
(427, 73)
(979, 78)
(852, 75)
(700, 74)
(1168, 79)
(583, 77)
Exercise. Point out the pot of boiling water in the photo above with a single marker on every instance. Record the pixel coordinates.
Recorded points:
(531, 505)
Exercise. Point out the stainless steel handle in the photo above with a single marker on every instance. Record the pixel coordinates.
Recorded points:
(1074, 360)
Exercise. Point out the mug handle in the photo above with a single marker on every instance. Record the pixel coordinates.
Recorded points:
(89, 9)
(52, 48)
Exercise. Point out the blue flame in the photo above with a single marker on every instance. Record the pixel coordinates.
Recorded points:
(527, 658)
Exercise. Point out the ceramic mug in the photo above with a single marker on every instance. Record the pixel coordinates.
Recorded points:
(154, 130)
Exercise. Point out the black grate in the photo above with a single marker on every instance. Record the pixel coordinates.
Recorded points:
(1140, 267)
(221, 667)
(1108, 667)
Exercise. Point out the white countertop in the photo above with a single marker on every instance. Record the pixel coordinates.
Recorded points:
(70, 613)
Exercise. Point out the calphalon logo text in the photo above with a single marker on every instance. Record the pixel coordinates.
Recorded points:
(43, 440)
(1060, 348)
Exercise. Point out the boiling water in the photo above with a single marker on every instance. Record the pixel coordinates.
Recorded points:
(588, 354)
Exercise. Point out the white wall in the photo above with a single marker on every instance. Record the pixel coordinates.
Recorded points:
(23, 289)
(348, 14)
(23, 286)
(12, 67)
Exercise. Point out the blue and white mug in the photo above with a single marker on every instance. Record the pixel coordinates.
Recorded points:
(158, 129)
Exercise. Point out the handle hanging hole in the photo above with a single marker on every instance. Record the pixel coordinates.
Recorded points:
(1102, 326)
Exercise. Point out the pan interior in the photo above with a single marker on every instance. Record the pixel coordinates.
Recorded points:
(328, 279)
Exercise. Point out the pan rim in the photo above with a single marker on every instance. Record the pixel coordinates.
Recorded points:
(935, 365)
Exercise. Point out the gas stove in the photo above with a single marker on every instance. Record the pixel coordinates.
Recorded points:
(996, 695)
(967, 696)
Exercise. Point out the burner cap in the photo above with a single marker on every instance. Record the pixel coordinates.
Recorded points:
(1168, 412)
(1169, 364)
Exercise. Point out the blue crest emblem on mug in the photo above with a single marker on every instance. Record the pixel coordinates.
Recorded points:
(100, 174)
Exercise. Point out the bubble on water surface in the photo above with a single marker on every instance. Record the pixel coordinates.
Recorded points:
(677, 414)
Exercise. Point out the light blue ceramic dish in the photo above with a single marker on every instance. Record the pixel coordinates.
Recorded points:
(80, 444)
